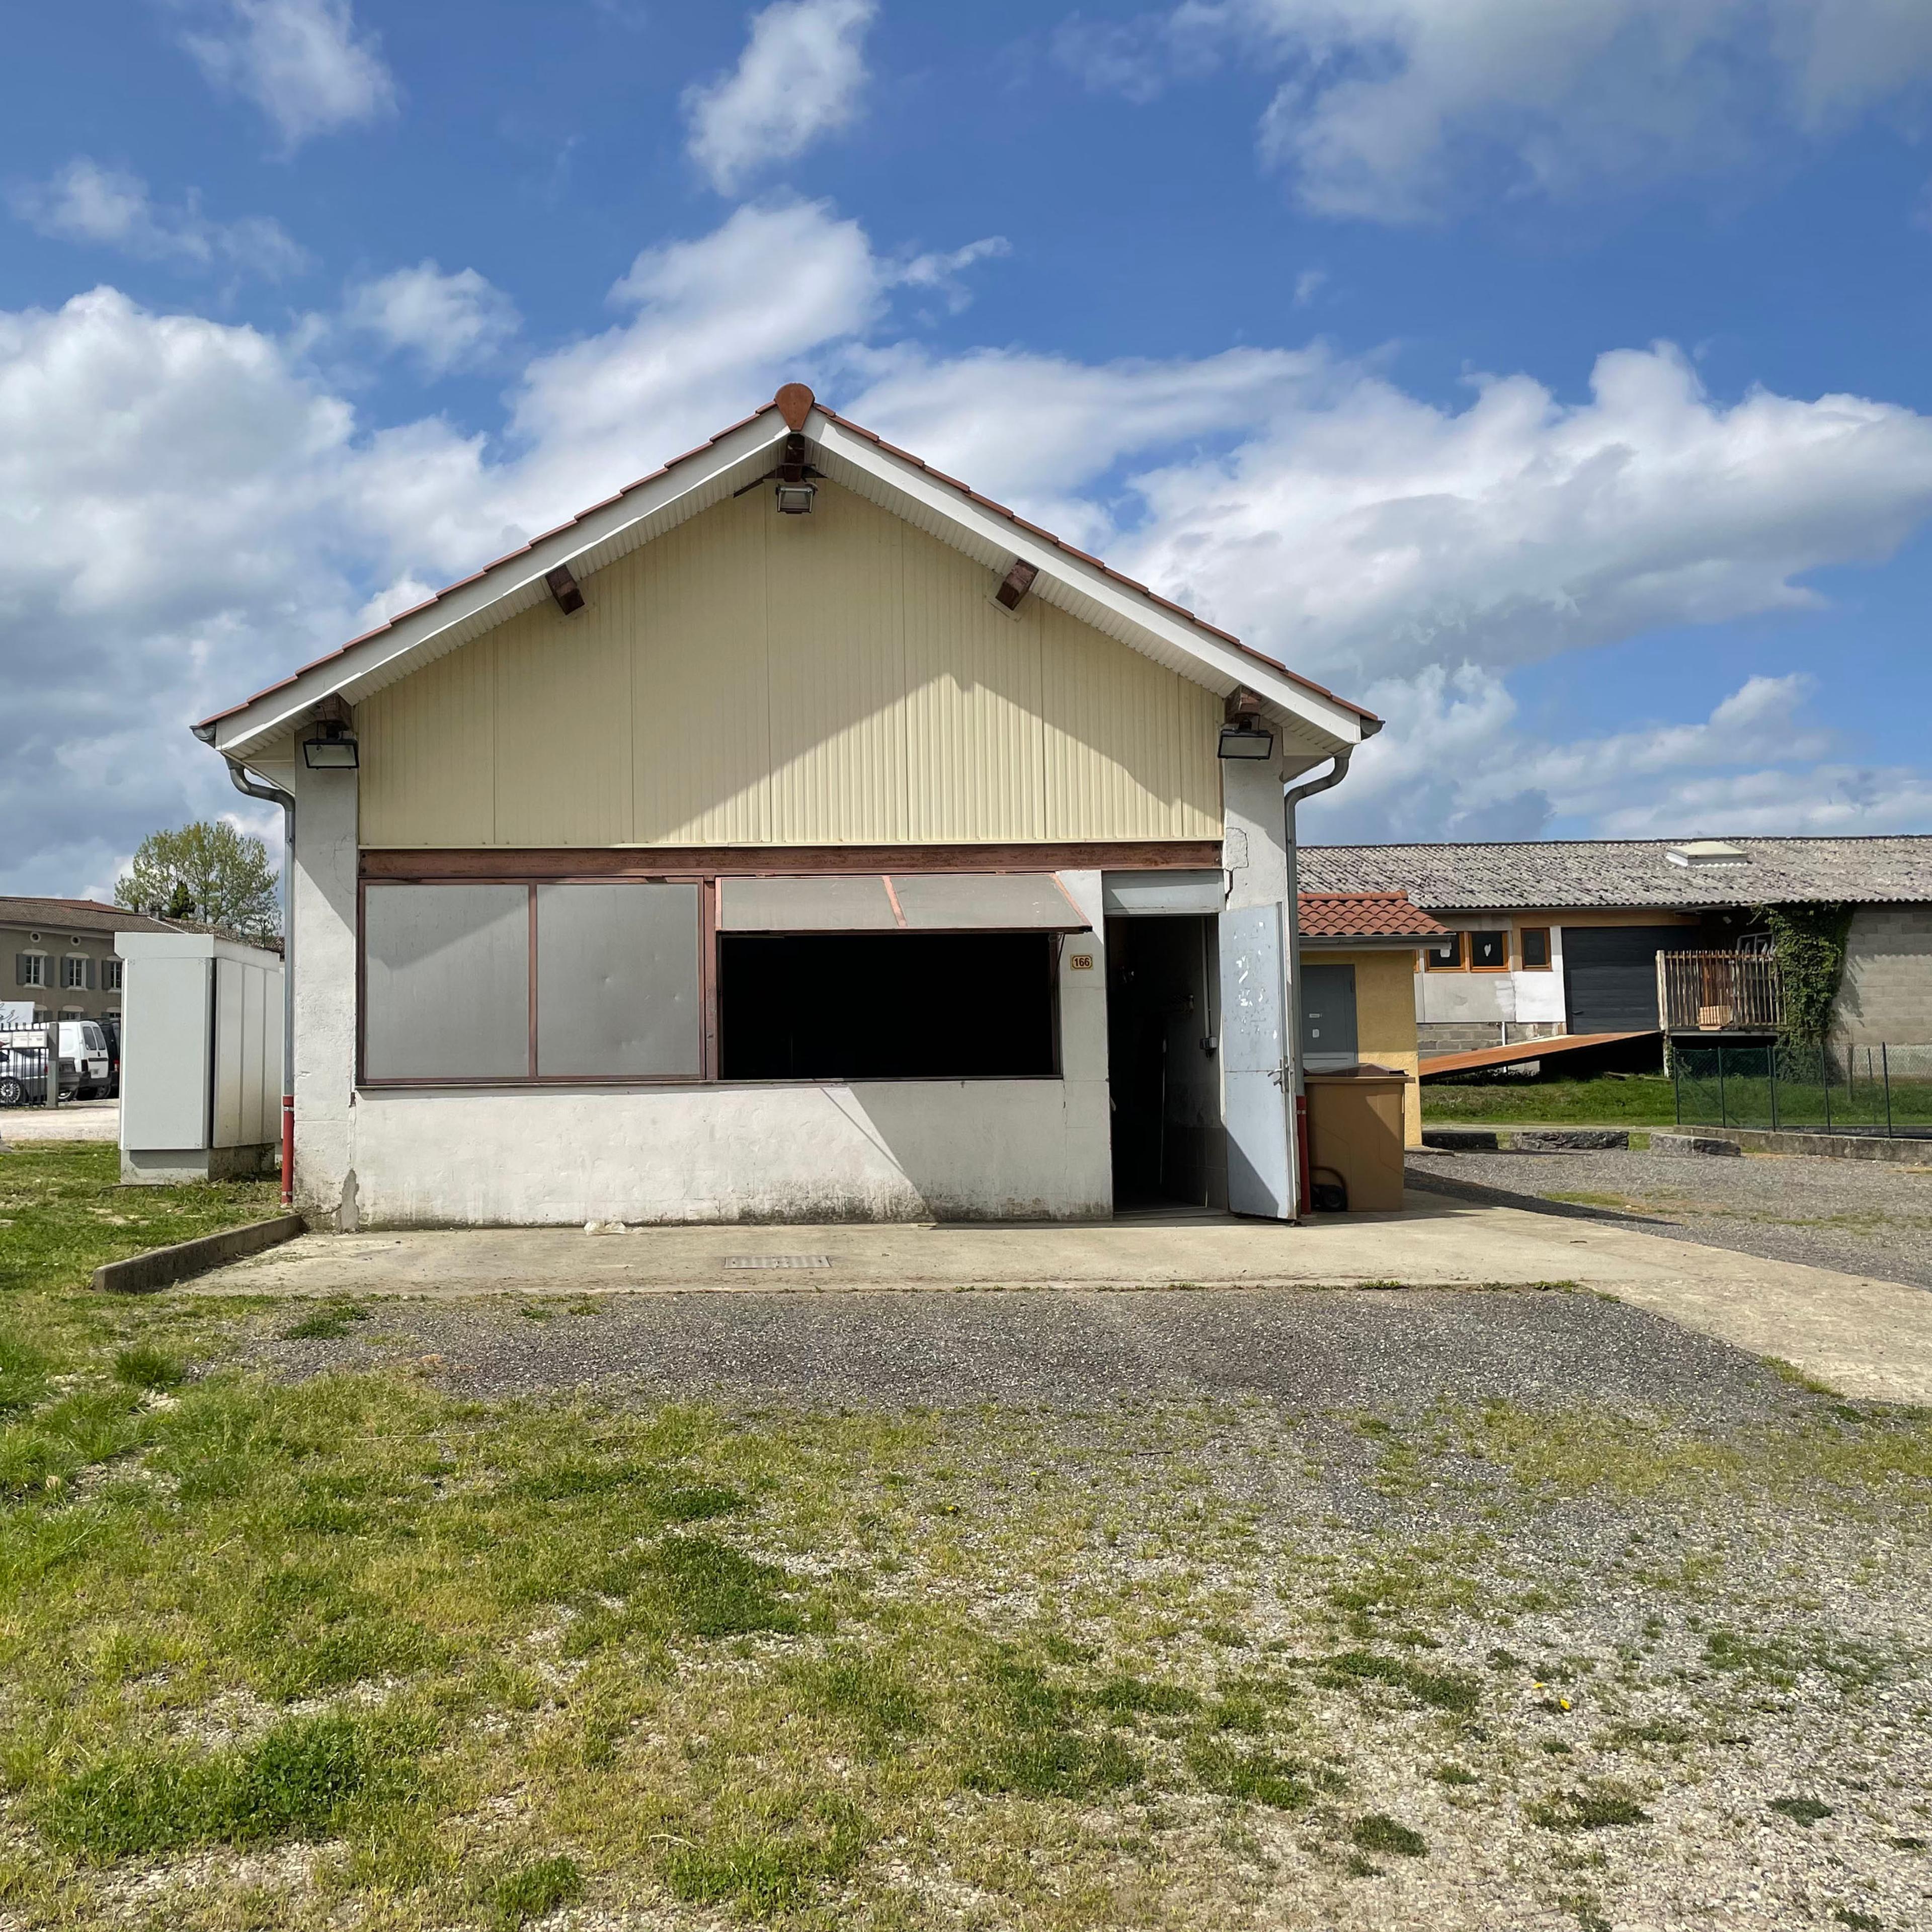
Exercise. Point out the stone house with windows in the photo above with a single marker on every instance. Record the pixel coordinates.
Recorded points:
(797, 834)
(1562, 936)
(59, 956)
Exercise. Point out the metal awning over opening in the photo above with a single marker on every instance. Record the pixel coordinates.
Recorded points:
(902, 902)
(1160, 895)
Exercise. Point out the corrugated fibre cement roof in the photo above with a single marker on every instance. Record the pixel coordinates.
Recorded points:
(1625, 874)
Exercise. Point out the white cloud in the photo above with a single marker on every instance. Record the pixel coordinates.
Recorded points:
(446, 322)
(941, 272)
(1393, 110)
(303, 62)
(799, 77)
(1373, 532)
(1455, 764)
(188, 510)
(107, 208)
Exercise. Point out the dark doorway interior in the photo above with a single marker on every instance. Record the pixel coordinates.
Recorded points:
(1163, 1028)
(887, 1006)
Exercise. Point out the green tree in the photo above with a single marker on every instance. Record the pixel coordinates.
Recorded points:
(207, 873)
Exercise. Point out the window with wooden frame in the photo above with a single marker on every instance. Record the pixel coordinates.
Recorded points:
(1444, 955)
(30, 969)
(1533, 949)
(1488, 951)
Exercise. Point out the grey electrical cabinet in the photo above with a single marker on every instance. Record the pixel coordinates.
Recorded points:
(201, 1057)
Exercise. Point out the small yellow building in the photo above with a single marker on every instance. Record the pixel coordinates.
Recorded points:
(1358, 962)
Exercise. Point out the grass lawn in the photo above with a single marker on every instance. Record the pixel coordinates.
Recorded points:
(1632, 1100)
(360, 1652)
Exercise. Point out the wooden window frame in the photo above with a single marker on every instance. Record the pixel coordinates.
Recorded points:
(31, 959)
(1460, 964)
(1469, 949)
(1548, 951)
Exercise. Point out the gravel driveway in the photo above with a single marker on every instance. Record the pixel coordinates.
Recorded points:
(1576, 1619)
(1347, 1350)
(1861, 1217)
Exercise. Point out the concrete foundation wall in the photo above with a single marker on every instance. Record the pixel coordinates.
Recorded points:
(888, 1150)
(1886, 997)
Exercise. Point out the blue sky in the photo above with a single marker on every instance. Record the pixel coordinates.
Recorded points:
(1553, 379)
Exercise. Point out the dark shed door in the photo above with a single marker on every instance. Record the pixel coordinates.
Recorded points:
(1328, 1017)
(1609, 974)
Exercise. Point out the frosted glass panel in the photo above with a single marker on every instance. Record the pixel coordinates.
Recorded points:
(447, 979)
(855, 904)
(617, 981)
(986, 901)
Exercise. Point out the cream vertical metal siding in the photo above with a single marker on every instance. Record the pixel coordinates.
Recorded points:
(751, 678)
(1129, 745)
(700, 692)
(563, 724)
(429, 753)
(976, 745)
(834, 602)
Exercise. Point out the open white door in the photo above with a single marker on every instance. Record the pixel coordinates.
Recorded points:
(1254, 1062)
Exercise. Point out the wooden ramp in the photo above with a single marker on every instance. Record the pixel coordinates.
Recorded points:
(1522, 1050)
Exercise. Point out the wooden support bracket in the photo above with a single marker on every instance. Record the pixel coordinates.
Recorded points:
(1015, 585)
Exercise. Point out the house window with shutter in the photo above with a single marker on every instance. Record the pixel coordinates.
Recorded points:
(76, 972)
(30, 969)
(110, 976)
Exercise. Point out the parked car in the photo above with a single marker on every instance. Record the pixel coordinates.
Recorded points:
(23, 1071)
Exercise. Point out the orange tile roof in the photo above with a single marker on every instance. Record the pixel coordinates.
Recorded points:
(1365, 916)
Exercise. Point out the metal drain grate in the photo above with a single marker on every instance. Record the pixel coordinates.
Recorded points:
(778, 1261)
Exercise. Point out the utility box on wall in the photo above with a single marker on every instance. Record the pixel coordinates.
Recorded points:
(201, 1058)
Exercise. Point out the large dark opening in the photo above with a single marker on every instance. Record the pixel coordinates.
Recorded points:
(1163, 1073)
(885, 1006)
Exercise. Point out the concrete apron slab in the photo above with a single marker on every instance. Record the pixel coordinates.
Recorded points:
(1867, 1339)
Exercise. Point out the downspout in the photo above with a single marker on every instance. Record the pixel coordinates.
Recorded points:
(1291, 797)
(275, 795)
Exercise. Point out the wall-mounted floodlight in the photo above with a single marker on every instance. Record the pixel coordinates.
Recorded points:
(795, 498)
(1244, 735)
(332, 746)
(1246, 741)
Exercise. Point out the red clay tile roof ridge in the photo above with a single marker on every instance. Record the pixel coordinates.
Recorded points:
(858, 429)
(1364, 915)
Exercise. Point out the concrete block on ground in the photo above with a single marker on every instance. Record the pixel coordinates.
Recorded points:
(1465, 1140)
(1570, 1140)
(162, 1267)
(1691, 1144)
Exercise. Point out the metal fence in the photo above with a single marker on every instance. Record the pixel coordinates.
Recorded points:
(23, 1075)
(1834, 1090)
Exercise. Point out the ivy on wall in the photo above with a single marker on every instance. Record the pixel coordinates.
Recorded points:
(1809, 942)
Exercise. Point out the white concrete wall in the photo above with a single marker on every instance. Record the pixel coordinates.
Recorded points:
(1488, 998)
(325, 994)
(886, 1151)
